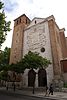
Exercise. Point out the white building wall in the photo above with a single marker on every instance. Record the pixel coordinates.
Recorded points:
(35, 38)
(38, 20)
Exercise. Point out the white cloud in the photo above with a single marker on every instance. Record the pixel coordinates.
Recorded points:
(37, 8)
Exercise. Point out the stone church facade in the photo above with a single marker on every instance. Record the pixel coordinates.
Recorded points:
(40, 35)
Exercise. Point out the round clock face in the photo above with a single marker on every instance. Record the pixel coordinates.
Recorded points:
(42, 49)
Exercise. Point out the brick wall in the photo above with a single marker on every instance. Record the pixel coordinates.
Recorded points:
(54, 48)
(63, 43)
(18, 36)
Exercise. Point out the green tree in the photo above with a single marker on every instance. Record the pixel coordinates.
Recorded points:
(18, 67)
(34, 60)
(4, 58)
(30, 61)
(3, 75)
(4, 25)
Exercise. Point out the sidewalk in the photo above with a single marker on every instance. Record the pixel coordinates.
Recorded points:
(56, 95)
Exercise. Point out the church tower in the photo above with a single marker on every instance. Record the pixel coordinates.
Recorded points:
(18, 34)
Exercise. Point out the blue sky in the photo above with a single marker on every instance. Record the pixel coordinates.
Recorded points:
(9, 6)
(35, 8)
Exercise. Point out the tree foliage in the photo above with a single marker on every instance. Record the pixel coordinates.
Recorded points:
(4, 25)
(30, 60)
(34, 60)
(19, 68)
(4, 58)
(3, 75)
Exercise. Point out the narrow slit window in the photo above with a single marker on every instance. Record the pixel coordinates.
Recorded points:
(35, 22)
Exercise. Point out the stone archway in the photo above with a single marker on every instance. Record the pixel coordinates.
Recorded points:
(31, 78)
(42, 78)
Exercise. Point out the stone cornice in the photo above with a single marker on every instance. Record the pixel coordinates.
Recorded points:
(62, 30)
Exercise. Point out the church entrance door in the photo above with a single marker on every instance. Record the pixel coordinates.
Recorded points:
(42, 78)
(31, 78)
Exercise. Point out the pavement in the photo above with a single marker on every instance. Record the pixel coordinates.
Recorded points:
(41, 94)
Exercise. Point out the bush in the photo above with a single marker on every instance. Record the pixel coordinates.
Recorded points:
(65, 85)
